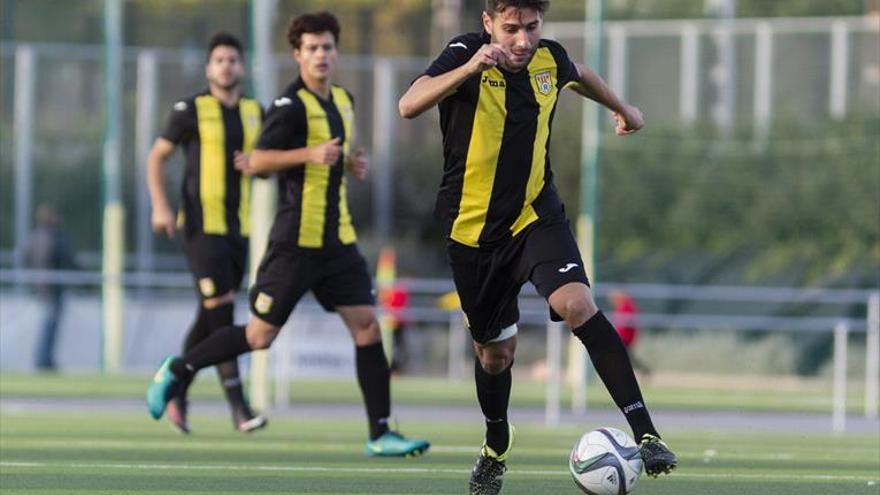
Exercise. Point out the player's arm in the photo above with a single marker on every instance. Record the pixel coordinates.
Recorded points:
(427, 91)
(629, 118)
(162, 218)
(266, 161)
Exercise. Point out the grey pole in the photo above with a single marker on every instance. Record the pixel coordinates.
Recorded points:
(724, 71)
(25, 79)
(384, 123)
(145, 112)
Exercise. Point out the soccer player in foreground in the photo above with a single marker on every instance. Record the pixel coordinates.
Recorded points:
(217, 128)
(306, 140)
(497, 92)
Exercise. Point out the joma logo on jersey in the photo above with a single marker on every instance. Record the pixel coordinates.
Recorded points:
(545, 82)
(493, 83)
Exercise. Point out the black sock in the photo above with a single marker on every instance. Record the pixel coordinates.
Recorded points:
(197, 333)
(215, 319)
(493, 392)
(373, 377)
(612, 364)
(222, 345)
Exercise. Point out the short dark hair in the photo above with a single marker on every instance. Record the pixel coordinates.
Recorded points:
(222, 38)
(497, 6)
(311, 23)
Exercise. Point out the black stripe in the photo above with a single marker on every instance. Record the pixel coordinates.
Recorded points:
(457, 122)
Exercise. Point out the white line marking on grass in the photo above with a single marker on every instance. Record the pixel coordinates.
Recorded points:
(412, 470)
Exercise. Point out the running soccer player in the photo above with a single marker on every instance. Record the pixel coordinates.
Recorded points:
(497, 92)
(307, 141)
(217, 129)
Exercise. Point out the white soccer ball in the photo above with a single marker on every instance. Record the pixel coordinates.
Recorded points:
(606, 461)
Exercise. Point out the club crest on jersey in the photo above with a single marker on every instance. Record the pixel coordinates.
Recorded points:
(545, 82)
(263, 303)
(207, 287)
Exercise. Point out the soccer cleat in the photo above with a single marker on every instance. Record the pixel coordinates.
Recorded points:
(162, 389)
(656, 455)
(176, 412)
(393, 444)
(488, 473)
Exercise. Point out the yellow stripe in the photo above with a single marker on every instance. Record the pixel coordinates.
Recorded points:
(482, 160)
(317, 176)
(250, 124)
(542, 74)
(346, 110)
(212, 165)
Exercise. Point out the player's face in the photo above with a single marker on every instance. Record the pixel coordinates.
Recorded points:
(518, 30)
(225, 67)
(316, 55)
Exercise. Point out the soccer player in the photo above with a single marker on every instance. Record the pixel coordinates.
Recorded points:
(497, 92)
(217, 128)
(307, 140)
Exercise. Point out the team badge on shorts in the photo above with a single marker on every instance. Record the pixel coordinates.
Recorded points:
(263, 303)
(207, 287)
(545, 82)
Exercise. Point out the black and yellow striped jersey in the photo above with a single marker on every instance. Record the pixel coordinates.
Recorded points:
(216, 198)
(312, 205)
(496, 135)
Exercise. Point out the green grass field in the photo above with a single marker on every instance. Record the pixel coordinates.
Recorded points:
(65, 453)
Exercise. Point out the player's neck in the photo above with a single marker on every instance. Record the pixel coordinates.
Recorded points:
(320, 87)
(228, 97)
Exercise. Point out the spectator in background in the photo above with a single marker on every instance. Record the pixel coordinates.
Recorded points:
(626, 320)
(48, 248)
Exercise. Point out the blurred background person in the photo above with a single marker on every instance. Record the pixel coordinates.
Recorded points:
(48, 248)
(625, 318)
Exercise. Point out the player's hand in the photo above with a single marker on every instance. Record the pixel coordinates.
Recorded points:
(358, 163)
(241, 162)
(488, 56)
(163, 221)
(327, 152)
(629, 120)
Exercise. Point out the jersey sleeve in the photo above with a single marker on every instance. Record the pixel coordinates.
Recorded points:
(181, 122)
(284, 127)
(566, 70)
(457, 52)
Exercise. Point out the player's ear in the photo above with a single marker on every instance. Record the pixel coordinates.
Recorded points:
(487, 22)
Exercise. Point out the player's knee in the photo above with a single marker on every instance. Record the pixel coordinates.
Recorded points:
(495, 361)
(366, 333)
(261, 338)
(578, 310)
(216, 302)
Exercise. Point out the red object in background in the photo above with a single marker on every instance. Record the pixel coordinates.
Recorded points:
(395, 300)
(625, 317)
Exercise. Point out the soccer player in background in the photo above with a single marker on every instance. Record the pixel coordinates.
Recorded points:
(497, 92)
(217, 129)
(307, 140)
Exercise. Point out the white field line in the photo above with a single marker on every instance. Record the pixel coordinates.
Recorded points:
(410, 470)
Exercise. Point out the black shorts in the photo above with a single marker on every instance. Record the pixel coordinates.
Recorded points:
(337, 278)
(488, 281)
(217, 262)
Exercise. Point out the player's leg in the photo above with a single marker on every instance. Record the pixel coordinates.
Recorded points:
(559, 275)
(277, 290)
(345, 286)
(488, 288)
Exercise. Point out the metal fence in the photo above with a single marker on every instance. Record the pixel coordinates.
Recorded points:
(677, 71)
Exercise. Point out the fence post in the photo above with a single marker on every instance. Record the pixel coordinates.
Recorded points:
(872, 357)
(839, 67)
(457, 342)
(25, 82)
(838, 414)
(689, 77)
(384, 121)
(763, 104)
(554, 367)
(145, 117)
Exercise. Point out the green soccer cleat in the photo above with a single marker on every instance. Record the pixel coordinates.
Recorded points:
(657, 457)
(488, 473)
(162, 389)
(393, 444)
